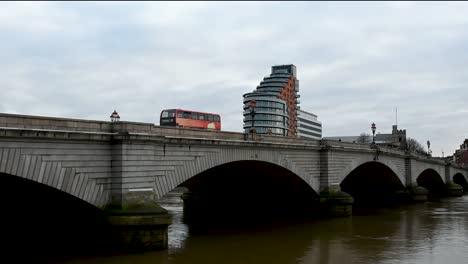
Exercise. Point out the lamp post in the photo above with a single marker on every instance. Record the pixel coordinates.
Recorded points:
(114, 117)
(428, 148)
(252, 106)
(373, 127)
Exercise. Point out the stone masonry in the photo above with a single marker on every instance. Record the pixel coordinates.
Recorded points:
(105, 163)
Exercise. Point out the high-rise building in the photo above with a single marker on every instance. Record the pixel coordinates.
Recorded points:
(276, 103)
(308, 125)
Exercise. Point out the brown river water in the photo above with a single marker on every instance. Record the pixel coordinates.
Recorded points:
(431, 232)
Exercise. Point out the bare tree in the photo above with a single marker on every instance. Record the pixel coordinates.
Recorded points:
(364, 138)
(414, 146)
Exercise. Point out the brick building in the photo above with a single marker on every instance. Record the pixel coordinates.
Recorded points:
(461, 155)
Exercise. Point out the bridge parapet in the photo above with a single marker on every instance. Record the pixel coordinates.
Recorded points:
(363, 148)
(428, 159)
(41, 126)
(56, 127)
(53, 123)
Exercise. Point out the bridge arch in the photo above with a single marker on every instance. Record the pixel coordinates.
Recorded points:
(41, 169)
(227, 156)
(460, 179)
(246, 171)
(372, 182)
(432, 181)
(254, 188)
(36, 210)
(366, 159)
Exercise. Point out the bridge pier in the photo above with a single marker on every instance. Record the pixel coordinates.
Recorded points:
(453, 189)
(139, 223)
(417, 193)
(420, 194)
(336, 203)
(464, 186)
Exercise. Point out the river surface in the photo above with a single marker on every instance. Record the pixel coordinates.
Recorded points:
(431, 232)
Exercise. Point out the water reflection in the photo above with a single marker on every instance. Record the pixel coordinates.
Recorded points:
(421, 233)
(435, 232)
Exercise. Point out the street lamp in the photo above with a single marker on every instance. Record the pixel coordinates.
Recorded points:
(373, 127)
(114, 117)
(252, 106)
(428, 148)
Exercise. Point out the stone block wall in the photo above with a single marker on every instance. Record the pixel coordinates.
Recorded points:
(53, 123)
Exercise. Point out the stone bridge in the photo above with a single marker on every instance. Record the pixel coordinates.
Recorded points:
(127, 165)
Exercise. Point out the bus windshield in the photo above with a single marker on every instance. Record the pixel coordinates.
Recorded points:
(168, 114)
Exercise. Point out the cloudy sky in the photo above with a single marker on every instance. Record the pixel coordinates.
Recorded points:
(356, 62)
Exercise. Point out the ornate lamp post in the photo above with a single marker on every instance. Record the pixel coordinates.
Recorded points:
(114, 117)
(373, 127)
(252, 106)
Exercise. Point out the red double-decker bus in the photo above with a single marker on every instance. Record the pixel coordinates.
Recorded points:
(188, 118)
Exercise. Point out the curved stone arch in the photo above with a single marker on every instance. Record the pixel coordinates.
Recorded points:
(433, 183)
(362, 160)
(464, 175)
(461, 180)
(52, 174)
(420, 169)
(429, 169)
(193, 168)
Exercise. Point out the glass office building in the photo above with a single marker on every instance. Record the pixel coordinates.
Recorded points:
(276, 103)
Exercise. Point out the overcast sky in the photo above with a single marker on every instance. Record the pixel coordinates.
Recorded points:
(356, 62)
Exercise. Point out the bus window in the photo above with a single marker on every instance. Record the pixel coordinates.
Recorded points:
(167, 118)
(210, 118)
(180, 114)
(201, 117)
(216, 118)
(168, 114)
(187, 115)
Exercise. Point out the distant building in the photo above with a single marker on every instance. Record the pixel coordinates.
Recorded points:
(308, 126)
(276, 103)
(397, 139)
(461, 155)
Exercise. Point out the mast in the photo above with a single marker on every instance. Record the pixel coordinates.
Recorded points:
(396, 116)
